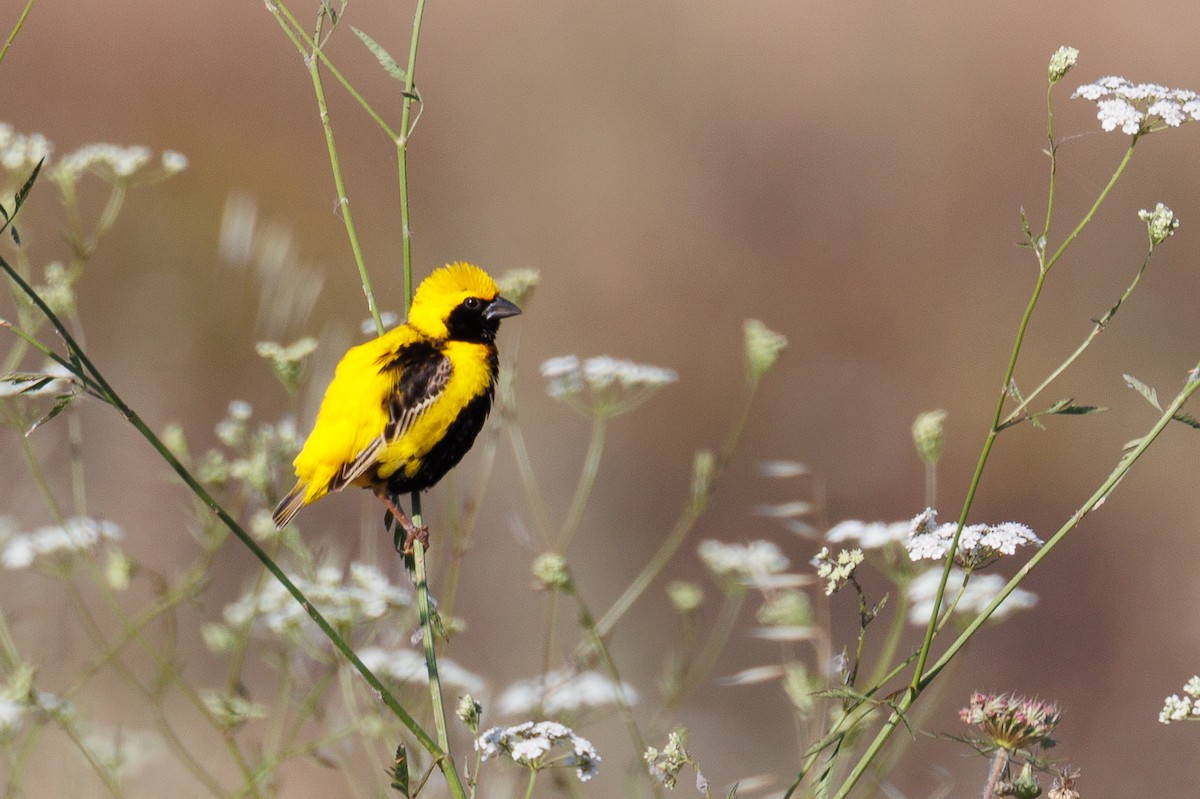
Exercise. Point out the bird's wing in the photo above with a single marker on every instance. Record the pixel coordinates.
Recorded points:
(421, 384)
(421, 375)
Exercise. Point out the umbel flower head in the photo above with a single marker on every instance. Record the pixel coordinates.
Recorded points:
(1160, 223)
(1012, 722)
(1138, 108)
(533, 745)
(603, 386)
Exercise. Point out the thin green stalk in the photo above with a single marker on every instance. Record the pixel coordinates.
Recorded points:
(314, 70)
(16, 29)
(529, 788)
(1052, 153)
(1110, 483)
(429, 642)
(305, 45)
(691, 514)
(87, 371)
(990, 440)
(1097, 328)
(588, 623)
(406, 122)
(587, 480)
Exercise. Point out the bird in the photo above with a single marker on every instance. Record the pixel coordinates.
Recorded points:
(404, 408)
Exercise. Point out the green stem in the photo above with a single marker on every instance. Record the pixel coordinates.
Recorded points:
(1097, 328)
(1005, 385)
(687, 520)
(1110, 483)
(406, 122)
(339, 182)
(305, 45)
(587, 480)
(16, 29)
(87, 371)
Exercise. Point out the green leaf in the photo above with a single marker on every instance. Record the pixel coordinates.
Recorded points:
(28, 381)
(1146, 391)
(59, 406)
(399, 770)
(1067, 407)
(1188, 419)
(385, 59)
(733, 791)
(19, 199)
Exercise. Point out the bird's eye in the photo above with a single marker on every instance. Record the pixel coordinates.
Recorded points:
(472, 303)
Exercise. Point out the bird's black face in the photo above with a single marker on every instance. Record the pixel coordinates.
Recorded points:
(477, 319)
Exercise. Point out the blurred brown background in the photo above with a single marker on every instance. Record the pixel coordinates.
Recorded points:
(849, 173)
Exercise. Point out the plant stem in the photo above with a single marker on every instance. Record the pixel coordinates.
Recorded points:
(85, 370)
(16, 29)
(314, 70)
(406, 122)
(587, 479)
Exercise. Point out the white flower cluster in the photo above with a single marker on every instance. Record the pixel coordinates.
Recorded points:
(978, 545)
(1139, 107)
(19, 699)
(1160, 223)
(407, 665)
(114, 160)
(1182, 708)
(836, 570)
(980, 591)
(614, 386)
(367, 597)
(869, 535)
(20, 152)
(20, 550)
(529, 744)
(560, 692)
(259, 449)
(744, 563)
(1061, 62)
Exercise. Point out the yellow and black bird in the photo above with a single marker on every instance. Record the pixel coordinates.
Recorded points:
(404, 408)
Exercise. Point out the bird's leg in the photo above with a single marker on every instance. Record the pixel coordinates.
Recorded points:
(411, 531)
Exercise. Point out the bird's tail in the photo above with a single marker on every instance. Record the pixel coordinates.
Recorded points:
(289, 506)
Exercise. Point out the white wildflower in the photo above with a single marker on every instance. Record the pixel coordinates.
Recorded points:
(1181, 708)
(230, 710)
(868, 535)
(407, 665)
(1061, 62)
(11, 715)
(979, 593)
(388, 318)
(368, 597)
(1160, 223)
(665, 766)
(836, 571)
(173, 162)
(979, 544)
(107, 160)
(742, 563)
(1141, 107)
(531, 744)
(611, 386)
(20, 152)
(74, 535)
(560, 692)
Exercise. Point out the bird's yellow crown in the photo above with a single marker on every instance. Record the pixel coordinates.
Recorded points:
(443, 290)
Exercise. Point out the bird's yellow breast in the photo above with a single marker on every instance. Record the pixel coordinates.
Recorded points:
(354, 412)
(471, 376)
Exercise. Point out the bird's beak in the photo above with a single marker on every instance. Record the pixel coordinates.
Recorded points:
(500, 308)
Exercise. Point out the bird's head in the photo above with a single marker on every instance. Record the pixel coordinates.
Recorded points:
(459, 301)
